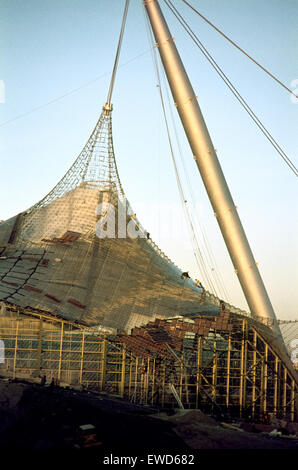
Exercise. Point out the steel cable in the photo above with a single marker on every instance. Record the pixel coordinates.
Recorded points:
(231, 87)
(196, 249)
(240, 49)
(118, 52)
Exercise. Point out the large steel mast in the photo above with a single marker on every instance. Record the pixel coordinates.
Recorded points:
(211, 172)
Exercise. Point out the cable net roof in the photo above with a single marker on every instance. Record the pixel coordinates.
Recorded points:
(72, 202)
(52, 258)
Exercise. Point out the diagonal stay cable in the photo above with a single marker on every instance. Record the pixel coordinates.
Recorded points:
(240, 49)
(231, 87)
(196, 248)
(209, 254)
(70, 92)
(112, 81)
(118, 52)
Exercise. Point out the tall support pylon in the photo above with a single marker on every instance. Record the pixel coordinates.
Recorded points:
(212, 175)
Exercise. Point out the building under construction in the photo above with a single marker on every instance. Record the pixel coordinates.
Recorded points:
(113, 313)
(223, 363)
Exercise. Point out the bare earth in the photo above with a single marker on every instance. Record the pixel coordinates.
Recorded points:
(43, 420)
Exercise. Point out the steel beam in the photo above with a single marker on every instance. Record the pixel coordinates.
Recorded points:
(276, 380)
(199, 366)
(39, 347)
(102, 380)
(60, 351)
(265, 378)
(228, 372)
(285, 378)
(82, 357)
(293, 400)
(254, 374)
(16, 349)
(123, 363)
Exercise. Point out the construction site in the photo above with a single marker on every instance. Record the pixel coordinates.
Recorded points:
(114, 316)
(224, 365)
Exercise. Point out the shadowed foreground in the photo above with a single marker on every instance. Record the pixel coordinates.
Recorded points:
(37, 417)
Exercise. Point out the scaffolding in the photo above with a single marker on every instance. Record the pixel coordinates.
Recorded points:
(222, 365)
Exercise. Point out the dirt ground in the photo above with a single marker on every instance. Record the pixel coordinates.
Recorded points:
(42, 418)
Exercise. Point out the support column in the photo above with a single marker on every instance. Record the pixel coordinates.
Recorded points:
(181, 377)
(254, 375)
(60, 351)
(275, 402)
(265, 378)
(293, 400)
(163, 385)
(212, 175)
(136, 380)
(153, 381)
(228, 373)
(122, 383)
(262, 386)
(39, 347)
(16, 348)
(245, 363)
(199, 365)
(147, 379)
(103, 364)
(82, 357)
(242, 381)
(130, 376)
(214, 371)
(285, 377)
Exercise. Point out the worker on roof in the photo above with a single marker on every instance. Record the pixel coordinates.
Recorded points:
(185, 275)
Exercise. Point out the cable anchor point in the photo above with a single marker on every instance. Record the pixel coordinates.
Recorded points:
(107, 107)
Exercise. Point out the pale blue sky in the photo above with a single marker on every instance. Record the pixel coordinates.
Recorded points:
(51, 47)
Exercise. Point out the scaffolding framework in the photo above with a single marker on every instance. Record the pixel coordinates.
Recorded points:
(223, 366)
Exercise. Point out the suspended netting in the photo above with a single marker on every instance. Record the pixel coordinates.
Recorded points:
(289, 330)
(72, 203)
(119, 284)
(92, 179)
